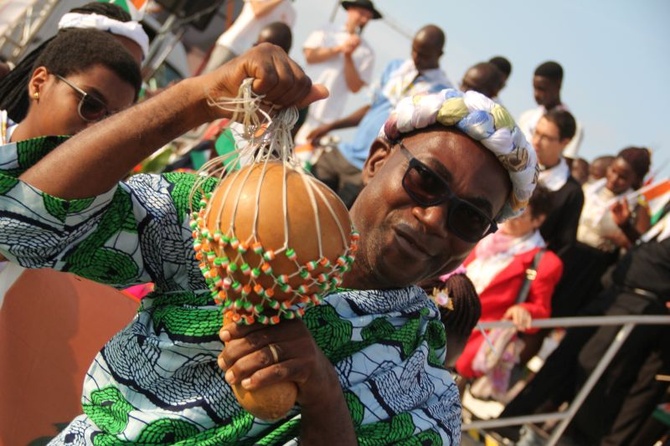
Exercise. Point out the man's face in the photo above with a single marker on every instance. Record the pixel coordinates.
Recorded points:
(403, 242)
(425, 54)
(546, 91)
(548, 143)
(358, 17)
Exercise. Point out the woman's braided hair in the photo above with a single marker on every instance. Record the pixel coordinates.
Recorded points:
(466, 307)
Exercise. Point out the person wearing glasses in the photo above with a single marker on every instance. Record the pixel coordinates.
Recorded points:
(553, 132)
(81, 77)
(368, 361)
(106, 17)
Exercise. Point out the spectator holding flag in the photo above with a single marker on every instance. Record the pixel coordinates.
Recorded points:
(609, 222)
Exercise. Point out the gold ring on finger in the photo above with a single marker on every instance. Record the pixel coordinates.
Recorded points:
(275, 354)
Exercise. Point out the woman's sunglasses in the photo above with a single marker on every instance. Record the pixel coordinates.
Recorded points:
(428, 188)
(91, 109)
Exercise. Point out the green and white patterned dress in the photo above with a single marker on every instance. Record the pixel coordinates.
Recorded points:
(157, 381)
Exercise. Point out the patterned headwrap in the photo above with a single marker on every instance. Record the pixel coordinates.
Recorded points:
(482, 120)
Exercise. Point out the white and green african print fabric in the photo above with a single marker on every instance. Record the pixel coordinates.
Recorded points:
(157, 381)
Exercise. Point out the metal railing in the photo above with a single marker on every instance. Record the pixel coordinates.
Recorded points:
(627, 324)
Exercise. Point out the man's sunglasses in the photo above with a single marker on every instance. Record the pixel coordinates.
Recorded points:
(427, 188)
(91, 109)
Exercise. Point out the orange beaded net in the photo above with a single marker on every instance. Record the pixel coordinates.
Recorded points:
(271, 239)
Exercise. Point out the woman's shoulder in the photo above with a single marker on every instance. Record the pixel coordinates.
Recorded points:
(547, 258)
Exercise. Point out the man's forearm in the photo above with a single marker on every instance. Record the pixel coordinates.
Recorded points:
(330, 424)
(350, 121)
(351, 76)
(92, 161)
(322, 54)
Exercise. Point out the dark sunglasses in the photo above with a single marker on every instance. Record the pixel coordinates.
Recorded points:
(427, 188)
(91, 109)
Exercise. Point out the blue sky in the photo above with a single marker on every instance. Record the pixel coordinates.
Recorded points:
(615, 55)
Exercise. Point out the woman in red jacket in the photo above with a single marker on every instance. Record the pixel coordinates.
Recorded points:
(497, 267)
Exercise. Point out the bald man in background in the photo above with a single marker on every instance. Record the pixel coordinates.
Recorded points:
(340, 167)
(484, 78)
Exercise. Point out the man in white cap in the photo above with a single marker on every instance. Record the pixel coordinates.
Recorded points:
(339, 58)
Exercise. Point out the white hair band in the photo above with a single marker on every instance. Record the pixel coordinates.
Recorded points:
(131, 30)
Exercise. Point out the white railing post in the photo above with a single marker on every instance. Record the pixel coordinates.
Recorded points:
(591, 382)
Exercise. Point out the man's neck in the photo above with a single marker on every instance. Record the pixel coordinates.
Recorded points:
(553, 105)
(424, 69)
(352, 28)
(551, 165)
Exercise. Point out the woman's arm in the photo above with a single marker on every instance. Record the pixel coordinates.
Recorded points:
(642, 220)
(631, 224)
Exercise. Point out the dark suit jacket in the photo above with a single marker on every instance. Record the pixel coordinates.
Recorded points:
(559, 229)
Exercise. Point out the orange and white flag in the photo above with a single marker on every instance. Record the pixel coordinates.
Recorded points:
(656, 195)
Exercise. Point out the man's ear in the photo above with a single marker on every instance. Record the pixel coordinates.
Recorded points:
(379, 153)
(537, 221)
(37, 81)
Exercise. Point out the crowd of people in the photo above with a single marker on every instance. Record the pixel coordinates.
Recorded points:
(463, 216)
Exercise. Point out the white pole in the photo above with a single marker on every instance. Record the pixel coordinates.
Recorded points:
(591, 382)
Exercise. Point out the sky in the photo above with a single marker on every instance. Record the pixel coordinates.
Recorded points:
(615, 56)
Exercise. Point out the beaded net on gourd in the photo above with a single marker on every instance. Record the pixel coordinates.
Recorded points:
(271, 239)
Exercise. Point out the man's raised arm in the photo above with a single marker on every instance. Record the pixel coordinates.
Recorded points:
(94, 160)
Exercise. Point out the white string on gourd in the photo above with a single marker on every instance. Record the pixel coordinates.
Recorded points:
(271, 239)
